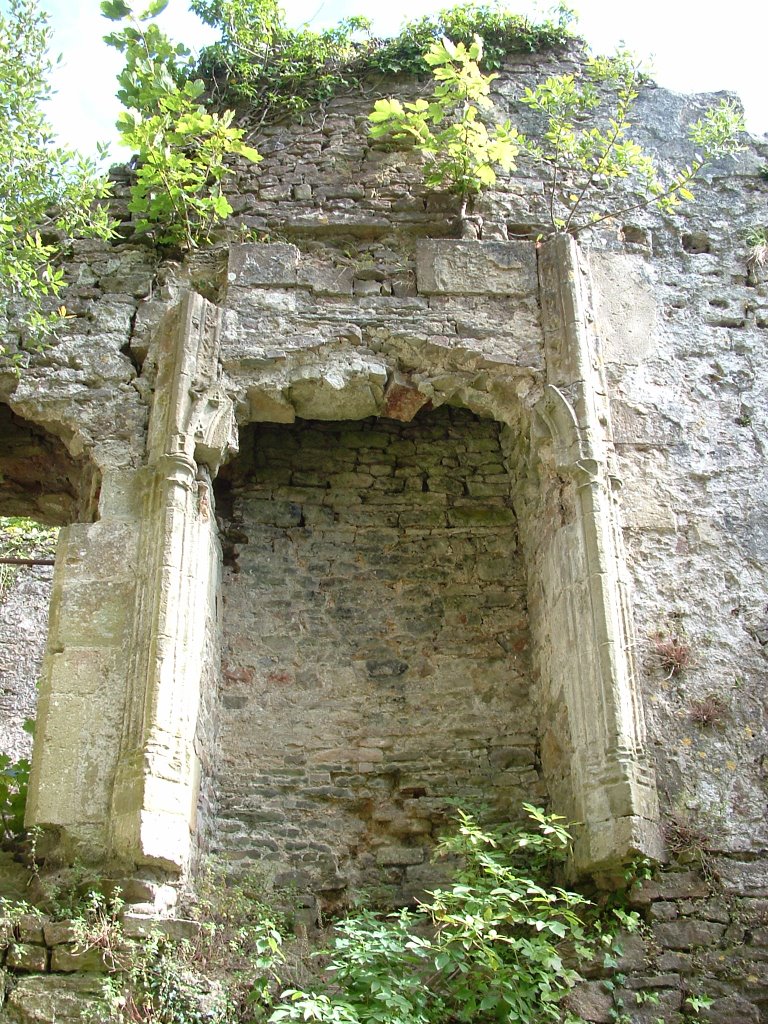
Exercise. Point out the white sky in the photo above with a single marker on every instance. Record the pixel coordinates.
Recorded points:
(693, 47)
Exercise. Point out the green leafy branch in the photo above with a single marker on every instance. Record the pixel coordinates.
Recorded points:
(586, 147)
(500, 942)
(181, 147)
(282, 70)
(461, 150)
(14, 781)
(48, 193)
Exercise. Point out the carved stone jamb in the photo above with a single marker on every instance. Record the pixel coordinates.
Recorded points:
(191, 430)
(608, 785)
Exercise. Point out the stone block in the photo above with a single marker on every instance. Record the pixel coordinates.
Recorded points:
(325, 278)
(732, 1009)
(664, 911)
(592, 1002)
(476, 268)
(350, 390)
(632, 952)
(58, 933)
(95, 614)
(626, 307)
(263, 265)
(29, 928)
(52, 999)
(364, 287)
(687, 933)
(673, 885)
(69, 959)
(753, 911)
(402, 400)
(399, 856)
(139, 926)
(26, 957)
(681, 963)
(744, 878)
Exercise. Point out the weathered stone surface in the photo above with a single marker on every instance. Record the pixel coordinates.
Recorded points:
(677, 321)
(262, 265)
(743, 878)
(325, 278)
(686, 934)
(24, 611)
(625, 308)
(591, 1001)
(29, 928)
(58, 933)
(51, 999)
(25, 957)
(70, 959)
(402, 401)
(137, 926)
(473, 268)
(734, 1009)
(416, 688)
(671, 885)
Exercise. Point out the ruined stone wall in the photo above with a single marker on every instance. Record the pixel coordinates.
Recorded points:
(356, 314)
(686, 364)
(23, 634)
(376, 647)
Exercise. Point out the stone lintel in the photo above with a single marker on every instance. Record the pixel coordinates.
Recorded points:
(451, 267)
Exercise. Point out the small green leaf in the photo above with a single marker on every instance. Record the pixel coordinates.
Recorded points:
(115, 10)
(155, 8)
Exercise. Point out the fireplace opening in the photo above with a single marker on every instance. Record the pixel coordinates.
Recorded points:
(375, 649)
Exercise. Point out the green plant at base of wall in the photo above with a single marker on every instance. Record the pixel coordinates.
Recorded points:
(14, 781)
(501, 943)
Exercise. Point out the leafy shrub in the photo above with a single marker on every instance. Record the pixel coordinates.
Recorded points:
(461, 151)
(14, 780)
(501, 943)
(584, 148)
(47, 192)
(181, 148)
(282, 71)
(585, 145)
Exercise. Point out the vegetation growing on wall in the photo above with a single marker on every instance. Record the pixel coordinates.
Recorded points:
(584, 150)
(585, 145)
(461, 151)
(182, 139)
(47, 192)
(180, 146)
(501, 942)
(282, 71)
